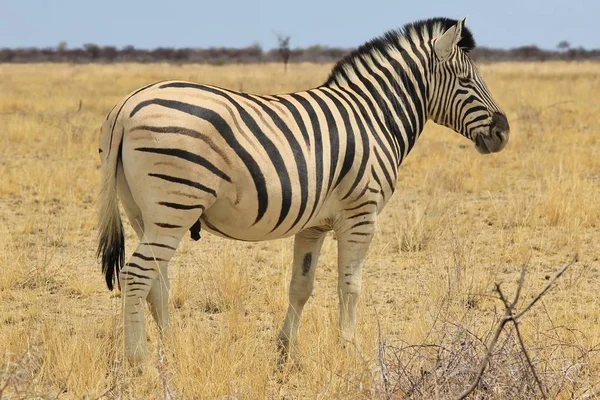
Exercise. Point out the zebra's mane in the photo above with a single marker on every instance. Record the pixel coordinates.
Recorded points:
(420, 31)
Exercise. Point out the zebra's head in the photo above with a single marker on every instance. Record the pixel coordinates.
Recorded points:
(458, 96)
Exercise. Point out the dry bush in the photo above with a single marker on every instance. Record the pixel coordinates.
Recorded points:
(444, 368)
(467, 358)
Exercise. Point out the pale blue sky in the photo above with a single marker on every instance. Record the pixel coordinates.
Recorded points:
(235, 23)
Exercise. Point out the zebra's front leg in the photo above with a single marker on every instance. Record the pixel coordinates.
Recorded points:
(354, 239)
(307, 246)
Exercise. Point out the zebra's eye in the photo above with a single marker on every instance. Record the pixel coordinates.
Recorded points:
(464, 81)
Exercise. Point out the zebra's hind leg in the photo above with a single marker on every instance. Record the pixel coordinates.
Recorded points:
(138, 278)
(307, 246)
(158, 299)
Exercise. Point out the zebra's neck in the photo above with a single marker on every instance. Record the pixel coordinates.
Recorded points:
(394, 88)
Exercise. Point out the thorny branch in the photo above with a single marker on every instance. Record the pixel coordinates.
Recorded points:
(511, 316)
(383, 366)
(509, 309)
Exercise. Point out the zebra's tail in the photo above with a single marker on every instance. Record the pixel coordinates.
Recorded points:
(111, 238)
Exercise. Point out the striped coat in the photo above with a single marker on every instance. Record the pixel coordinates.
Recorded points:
(182, 155)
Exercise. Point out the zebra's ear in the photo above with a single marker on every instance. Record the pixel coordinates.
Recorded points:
(444, 44)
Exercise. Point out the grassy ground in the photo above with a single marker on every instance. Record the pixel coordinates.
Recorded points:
(458, 223)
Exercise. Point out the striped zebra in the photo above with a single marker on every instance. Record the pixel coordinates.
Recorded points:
(183, 155)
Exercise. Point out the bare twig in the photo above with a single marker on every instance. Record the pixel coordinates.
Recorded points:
(106, 393)
(539, 296)
(381, 358)
(486, 357)
(591, 393)
(162, 372)
(531, 367)
(509, 310)
(509, 316)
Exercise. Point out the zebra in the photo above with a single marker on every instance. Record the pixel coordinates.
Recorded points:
(181, 155)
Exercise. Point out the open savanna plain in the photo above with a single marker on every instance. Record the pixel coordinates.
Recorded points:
(458, 223)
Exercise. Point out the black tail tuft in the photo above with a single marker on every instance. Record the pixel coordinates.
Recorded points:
(112, 250)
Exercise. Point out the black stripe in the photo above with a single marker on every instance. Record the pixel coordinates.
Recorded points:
(392, 133)
(264, 140)
(186, 155)
(356, 225)
(214, 228)
(111, 110)
(134, 265)
(226, 132)
(146, 258)
(349, 135)
(179, 130)
(297, 117)
(318, 148)
(475, 120)
(129, 273)
(414, 94)
(138, 284)
(361, 205)
(135, 290)
(362, 192)
(334, 140)
(165, 225)
(356, 90)
(376, 177)
(385, 171)
(297, 151)
(178, 206)
(266, 143)
(360, 215)
(458, 105)
(412, 129)
(182, 181)
(119, 111)
(165, 246)
(364, 137)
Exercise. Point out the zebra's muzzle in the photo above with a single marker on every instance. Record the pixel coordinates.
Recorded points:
(497, 136)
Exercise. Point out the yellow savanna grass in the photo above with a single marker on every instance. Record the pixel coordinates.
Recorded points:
(458, 223)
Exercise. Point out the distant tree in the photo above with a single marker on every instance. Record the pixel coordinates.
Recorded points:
(563, 45)
(109, 53)
(7, 55)
(61, 46)
(283, 42)
(163, 53)
(182, 54)
(92, 49)
(256, 46)
(528, 53)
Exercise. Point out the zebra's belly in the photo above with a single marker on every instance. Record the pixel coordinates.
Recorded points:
(235, 222)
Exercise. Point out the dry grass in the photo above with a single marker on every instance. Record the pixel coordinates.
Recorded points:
(458, 223)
